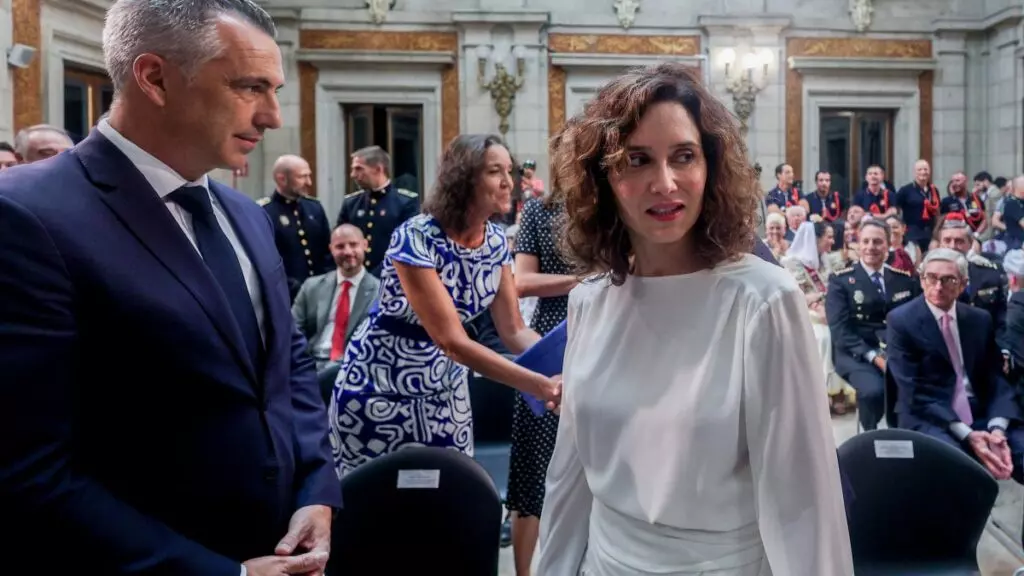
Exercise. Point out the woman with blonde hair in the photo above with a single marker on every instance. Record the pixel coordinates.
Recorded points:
(692, 437)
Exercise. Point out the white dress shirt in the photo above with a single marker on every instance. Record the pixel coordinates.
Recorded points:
(871, 272)
(323, 346)
(959, 429)
(165, 180)
(694, 436)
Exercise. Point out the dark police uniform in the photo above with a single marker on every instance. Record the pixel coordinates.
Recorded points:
(856, 312)
(302, 235)
(986, 289)
(377, 213)
(911, 200)
(783, 198)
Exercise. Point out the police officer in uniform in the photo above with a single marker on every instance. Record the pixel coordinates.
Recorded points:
(986, 280)
(301, 229)
(378, 207)
(858, 300)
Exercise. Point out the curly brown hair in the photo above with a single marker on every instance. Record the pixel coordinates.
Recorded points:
(592, 145)
(461, 165)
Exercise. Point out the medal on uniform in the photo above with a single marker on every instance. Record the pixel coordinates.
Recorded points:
(284, 220)
(858, 297)
(833, 206)
(361, 213)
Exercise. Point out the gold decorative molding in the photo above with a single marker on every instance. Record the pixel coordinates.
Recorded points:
(624, 44)
(556, 99)
(605, 44)
(449, 105)
(851, 48)
(858, 48)
(308, 77)
(28, 82)
(375, 41)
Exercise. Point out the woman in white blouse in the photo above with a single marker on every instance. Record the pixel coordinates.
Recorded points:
(694, 438)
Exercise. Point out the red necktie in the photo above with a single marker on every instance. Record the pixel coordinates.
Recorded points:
(340, 322)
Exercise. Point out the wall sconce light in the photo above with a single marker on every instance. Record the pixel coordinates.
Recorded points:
(503, 86)
(744, 84)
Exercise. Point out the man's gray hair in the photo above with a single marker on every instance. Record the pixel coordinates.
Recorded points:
(374, 156)
(946, 255)
(24, 135)
(181, 31)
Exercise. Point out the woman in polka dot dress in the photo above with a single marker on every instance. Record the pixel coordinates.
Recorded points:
(540, 272)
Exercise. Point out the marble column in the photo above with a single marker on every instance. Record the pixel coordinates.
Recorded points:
(949, 117)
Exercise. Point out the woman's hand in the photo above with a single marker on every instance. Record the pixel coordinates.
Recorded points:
(550, 391)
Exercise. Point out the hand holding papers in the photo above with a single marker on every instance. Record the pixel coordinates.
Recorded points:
(545, 357)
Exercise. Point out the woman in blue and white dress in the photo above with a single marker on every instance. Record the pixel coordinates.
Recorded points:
(404, 379)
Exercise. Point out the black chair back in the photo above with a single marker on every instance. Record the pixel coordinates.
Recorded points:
(920, 501)
(414, 508)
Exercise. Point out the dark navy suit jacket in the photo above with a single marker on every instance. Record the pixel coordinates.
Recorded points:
(137, 436)
(919, 362)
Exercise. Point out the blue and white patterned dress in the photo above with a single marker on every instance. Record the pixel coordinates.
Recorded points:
(396, 388)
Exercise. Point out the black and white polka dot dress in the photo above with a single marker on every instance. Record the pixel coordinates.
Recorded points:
(533, 437)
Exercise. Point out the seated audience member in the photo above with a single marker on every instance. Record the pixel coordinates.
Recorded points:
(330, 306)
(775, 234)
(795, 216)
(807, 261)
(1013, 265)
(856, 303)
(948, 370)
(903, 254)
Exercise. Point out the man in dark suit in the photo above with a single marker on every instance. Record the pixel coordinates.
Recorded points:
(331, 306)
(301, 230)
(1013, 264)
(859, 297)
(158, 409)
(948, 370)
(378, 207)
(985, 279)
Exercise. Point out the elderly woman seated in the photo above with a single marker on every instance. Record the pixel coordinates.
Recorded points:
(810, 260)
(775, 234)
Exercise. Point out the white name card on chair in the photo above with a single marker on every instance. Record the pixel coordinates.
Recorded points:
(419, 479)
(894, 449)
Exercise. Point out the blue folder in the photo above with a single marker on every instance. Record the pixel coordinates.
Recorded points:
(544, 357)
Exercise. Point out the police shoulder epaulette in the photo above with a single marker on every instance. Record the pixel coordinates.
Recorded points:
(263, 201)
(983, 262)
(843, 271)
(897, 270)
(407, 193)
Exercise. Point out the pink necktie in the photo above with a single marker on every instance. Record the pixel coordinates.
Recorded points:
(960, 404)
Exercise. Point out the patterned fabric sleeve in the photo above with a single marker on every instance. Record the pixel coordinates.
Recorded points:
(527, 241)
(411, 244)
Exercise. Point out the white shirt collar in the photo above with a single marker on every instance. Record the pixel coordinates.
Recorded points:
(160, 176)
(938, 313)
(869, 269)
(355, 280)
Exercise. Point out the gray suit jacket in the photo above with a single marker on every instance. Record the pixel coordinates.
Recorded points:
(313, 305)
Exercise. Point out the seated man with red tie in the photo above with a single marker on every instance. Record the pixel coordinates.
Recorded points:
(948, 370)
(329, 307)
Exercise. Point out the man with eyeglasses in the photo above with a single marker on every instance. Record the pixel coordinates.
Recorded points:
(948, 370)
(985, 282)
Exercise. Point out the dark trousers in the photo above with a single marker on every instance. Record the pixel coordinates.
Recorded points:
(1014, 437)
(870, 386)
